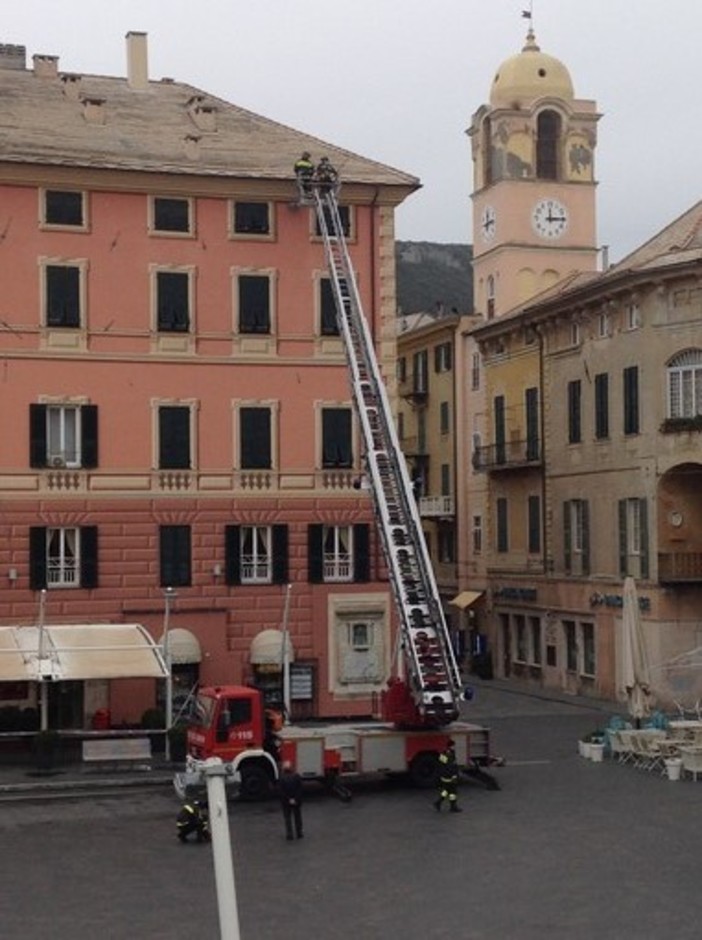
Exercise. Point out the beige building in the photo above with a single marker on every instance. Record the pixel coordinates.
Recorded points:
(620, 362)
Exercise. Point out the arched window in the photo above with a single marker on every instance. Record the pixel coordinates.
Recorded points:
(548, 139)
(685, 385)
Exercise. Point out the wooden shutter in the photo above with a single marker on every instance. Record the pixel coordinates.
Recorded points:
(232, 554)
(361, 553)
(89, 556)
(174, 438)
(586, 536)
(89, 436)
(567, 538)
(280, 554)
(315, 554)
(37, 435)
(37, 558)
(623, 543)
(643, 522)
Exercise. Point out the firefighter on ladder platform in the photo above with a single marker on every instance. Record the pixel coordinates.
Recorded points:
(326, 176)
(448, 779)
(304, 171)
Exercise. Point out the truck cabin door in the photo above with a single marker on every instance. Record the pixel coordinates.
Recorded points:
(234, 721)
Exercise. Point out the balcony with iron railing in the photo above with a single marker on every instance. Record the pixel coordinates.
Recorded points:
(679, 567)
(437, 507)
(508, 455)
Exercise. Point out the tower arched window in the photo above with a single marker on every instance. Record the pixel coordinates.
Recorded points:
(685, 385)
(548, 144)
(487, 151)
(490, 296)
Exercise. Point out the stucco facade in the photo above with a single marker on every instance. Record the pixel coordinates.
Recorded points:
(177, 403)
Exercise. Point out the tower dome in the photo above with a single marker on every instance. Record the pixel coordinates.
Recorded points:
(529, 75)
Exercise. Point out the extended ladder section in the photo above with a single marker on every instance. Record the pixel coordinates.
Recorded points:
(432, 677)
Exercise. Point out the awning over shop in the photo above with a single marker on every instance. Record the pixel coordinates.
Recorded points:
(79, 651)
(184, 647)
(466, 599)
(267, 648)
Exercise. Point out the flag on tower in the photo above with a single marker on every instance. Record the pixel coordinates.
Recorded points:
(526, 14)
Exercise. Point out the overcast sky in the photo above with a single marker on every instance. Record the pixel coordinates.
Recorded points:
(398, 81)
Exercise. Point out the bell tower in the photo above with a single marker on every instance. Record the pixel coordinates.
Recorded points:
(534, 186)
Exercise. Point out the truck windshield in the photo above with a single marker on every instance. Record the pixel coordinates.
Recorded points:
(203, 711)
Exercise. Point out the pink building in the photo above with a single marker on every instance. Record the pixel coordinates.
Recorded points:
(177, 409)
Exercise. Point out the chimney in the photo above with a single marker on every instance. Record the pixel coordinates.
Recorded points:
(45, 66)
(13, 57)
(137, 61)
(71, 86)
(94, 110)
(202, 113)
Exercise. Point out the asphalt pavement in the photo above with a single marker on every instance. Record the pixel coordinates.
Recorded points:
(566, 849)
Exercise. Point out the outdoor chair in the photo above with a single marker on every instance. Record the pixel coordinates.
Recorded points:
(626, 752)
(692, 760)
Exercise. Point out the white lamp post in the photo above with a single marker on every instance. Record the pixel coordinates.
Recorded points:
(169, 596)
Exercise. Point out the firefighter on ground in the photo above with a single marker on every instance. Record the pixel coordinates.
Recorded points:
(448, 779)
(304, 171)
(193, 817)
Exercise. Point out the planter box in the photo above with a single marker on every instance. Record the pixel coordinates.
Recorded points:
(673, 767)
(597, 753)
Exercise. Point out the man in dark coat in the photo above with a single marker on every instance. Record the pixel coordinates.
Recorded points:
(290, 790)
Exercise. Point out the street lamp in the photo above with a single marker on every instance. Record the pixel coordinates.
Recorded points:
(169, 596)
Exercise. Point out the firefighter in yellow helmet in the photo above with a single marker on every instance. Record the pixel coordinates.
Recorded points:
(304, 171)
(448, 779)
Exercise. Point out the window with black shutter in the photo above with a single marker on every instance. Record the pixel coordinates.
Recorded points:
(254, 303)
(174, 438)
(315, 553)
(171, 215)
(344, 218)
(336, 438)
(531, 407)
(255, 438)
(327, 306)
(251, 218)
(232, 554)
(361, 553)
(574, 422)
(173, 301)
(502, 530)
(534, 524)
(175, 556)
(631, 400)
(39, 438)
(62, 296)
(498, 412)
(280, 554)
(63, 208)
(601, 406)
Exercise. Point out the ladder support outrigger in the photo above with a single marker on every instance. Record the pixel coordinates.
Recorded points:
(433, 678)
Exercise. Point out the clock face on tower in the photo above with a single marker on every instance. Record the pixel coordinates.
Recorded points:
(549, 218)
(488, 222)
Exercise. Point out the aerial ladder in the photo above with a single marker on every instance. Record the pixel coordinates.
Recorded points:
(430, 692)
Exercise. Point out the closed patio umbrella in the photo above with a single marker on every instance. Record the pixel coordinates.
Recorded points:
(636, 676)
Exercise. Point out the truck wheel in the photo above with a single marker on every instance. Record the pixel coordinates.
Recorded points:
(255, 783)
(424, 770)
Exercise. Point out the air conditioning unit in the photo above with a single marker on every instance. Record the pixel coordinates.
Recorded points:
(58, 462)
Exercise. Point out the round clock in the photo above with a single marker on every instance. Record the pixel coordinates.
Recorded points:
(488, 222)
(549, 218)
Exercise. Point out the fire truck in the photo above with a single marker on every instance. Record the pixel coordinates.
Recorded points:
(420, 705)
